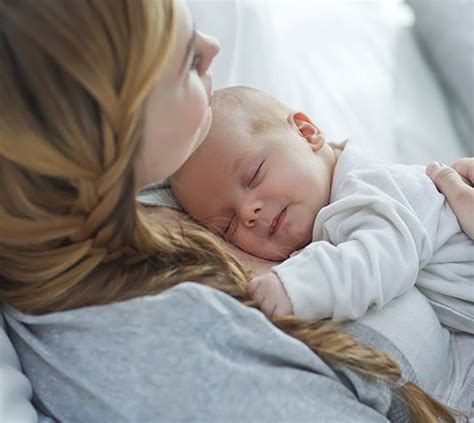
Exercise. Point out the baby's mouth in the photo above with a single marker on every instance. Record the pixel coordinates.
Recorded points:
(276, 222)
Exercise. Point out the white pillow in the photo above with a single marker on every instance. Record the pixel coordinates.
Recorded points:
(354, 67)
(446, 33)
(15, 389)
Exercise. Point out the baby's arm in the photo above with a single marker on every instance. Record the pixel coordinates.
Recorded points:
(270, 295)
(372, 254)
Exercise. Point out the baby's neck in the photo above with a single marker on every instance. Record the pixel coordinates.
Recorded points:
(337, 149)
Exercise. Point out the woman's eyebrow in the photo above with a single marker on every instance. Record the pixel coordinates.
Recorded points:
(189, 48)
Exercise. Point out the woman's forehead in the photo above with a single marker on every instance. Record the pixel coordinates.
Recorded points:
(176, 63)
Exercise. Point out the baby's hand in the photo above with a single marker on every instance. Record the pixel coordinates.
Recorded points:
(270, 294)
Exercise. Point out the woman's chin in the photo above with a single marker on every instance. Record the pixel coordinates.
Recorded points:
(204, 129)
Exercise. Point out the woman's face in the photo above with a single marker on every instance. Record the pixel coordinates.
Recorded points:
(177, 112)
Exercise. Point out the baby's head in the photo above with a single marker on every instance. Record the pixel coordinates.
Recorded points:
(260, 177)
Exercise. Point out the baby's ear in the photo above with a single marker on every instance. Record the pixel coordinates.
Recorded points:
(307, 129)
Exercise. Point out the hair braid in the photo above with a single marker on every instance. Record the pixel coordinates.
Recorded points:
(84, 158)
(74, 80)
(340, 350)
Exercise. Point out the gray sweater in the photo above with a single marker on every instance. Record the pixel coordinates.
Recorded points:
(190, 354)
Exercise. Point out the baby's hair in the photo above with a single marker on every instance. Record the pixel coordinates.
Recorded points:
(74, 79)
(259, 110)
(239, 108)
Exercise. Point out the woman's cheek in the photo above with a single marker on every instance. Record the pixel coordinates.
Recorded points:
(198, 104)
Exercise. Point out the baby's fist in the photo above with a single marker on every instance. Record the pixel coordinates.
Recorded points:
(270, 294)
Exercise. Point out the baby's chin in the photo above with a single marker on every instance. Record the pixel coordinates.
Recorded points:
(277, 252)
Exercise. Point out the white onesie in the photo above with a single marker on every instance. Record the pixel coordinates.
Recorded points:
(385, 229)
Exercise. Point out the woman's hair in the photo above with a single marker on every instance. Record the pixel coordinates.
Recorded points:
(74, 81)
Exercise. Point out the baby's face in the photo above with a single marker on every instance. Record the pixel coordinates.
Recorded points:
(261, 194)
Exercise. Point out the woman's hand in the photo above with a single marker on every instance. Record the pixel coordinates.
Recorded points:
(458, 192)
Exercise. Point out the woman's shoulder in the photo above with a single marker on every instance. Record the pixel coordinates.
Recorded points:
(190, 341)
(172, 300)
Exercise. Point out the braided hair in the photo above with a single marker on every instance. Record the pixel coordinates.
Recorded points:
(74, 79)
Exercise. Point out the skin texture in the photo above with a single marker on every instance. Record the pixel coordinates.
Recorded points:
(270, 295)
(181, 97)
(172, 217)
(458, 192)
(177, 114)
(241, 185)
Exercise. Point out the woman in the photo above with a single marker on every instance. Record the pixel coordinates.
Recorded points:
(458, 191)
(98, 99)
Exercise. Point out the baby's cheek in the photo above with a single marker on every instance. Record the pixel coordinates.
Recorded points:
(273, 250)
(248, 243)
(280, 252)
(299, 235)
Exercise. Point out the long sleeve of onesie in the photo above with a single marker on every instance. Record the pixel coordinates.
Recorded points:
(370, 248)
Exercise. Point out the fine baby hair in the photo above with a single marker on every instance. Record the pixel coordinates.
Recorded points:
(71, 233)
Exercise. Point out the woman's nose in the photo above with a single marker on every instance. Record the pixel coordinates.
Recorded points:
(211, 48)
(213, 45)
(250, 212)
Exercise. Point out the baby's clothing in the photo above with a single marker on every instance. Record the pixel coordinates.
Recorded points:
(385, 229)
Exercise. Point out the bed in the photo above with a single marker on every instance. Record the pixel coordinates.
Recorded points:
(396, 78)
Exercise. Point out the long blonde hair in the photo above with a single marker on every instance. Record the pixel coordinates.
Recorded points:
(74, 80)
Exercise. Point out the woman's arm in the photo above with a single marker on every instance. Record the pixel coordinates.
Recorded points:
(458, 191)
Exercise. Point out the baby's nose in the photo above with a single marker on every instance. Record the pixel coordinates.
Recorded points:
(250, 213)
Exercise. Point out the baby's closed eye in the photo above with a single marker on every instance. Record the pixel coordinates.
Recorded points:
(254, 179)
(229, 225)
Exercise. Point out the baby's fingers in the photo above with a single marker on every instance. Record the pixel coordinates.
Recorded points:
(268, 307)
(283, 308)
(258, 293)
(253, 286)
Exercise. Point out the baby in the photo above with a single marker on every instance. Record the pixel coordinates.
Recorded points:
(360, 232)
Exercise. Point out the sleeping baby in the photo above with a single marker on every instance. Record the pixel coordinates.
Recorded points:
(351, 232)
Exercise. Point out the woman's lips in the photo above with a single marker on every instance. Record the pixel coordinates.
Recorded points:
(277, 221)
